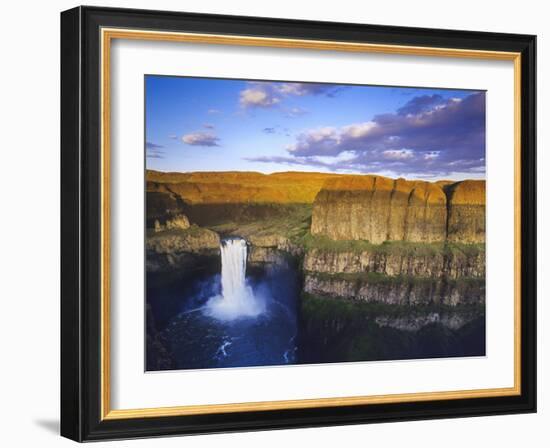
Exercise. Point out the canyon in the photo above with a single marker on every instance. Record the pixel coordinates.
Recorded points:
(359, 238)
(367, 267)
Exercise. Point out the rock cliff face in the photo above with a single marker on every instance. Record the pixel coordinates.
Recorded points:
(178, 222)
(436, 264)
(397, 273)
(379, 209)
(179, 249)
(466, 218)
(258, 255)
(341, 330)
(161, 206)
(397, 290)
(454, 321)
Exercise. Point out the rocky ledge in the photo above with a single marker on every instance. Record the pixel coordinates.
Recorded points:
(416, 321)
(450, 262)
(401, 290)
(179, 248)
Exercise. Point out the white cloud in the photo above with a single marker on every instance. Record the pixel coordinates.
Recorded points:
(325, 137)
(291, 89)
(359, 130)
(201, 139)
(257, 97)
(295, 112)
(431, 155)
(301, 89)
(398, 154)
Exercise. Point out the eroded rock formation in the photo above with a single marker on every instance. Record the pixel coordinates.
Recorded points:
(378, 209)
(437, 263)
(178, 249)
(397, 290)
(466, 218)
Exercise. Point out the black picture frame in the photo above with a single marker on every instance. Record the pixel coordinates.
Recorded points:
(81, 224)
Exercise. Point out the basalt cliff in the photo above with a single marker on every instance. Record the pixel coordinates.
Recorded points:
(378, 209)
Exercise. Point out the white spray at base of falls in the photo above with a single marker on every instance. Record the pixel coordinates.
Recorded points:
(237, 298)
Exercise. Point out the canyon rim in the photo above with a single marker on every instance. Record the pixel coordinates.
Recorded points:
(301, 223)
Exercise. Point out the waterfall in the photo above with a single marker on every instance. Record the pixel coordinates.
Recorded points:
(234, 270)
(237, 299)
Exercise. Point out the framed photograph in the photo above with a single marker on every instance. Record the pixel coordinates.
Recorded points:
(274, 223)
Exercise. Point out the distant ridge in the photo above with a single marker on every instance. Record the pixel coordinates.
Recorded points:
(204, 187)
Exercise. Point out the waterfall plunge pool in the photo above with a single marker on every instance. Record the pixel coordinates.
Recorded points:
(229, 314)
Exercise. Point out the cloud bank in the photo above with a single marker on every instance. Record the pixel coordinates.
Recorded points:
(429, 135)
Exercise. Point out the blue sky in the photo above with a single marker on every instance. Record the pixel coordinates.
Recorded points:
(202, 124)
